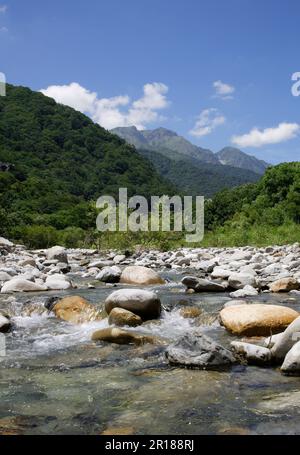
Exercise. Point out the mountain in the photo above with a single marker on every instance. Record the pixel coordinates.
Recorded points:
(198, 178)
(166, 142)
(176, 147)
(234, 157)
(196, 171)
(55, 160)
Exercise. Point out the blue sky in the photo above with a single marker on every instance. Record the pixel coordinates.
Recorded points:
(218, 73)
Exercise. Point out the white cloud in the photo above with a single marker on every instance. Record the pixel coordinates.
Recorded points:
(223, 90)
(258, 138)
(207, 121)
(3, 8)
(111, 112)
(72, 95)
(3, 29)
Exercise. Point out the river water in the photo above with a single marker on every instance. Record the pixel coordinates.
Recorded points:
(54, 380)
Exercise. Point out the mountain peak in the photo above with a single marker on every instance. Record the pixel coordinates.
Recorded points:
(232, 156)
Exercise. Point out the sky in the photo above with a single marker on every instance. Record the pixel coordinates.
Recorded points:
(218, 73)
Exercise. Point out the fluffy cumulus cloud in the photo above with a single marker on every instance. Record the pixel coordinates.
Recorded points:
(222, 90)
(258, 138)
(115, 111)
(207, 122)
(3, 8)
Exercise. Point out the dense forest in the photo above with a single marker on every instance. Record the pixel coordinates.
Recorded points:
(55, 162)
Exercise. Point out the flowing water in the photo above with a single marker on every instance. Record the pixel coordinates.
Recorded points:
(54, 380)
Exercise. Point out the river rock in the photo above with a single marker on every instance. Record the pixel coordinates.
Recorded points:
(190, 312)
(58, 282)
(291, 364)
(196, 350)
(120, 336)
(219, 272)
(137, 274)
(284, 285)
(255, 355)
(121, 317)
(202, 285)
(109, 274)
(22, 285)
(57, 253)
(145, 304)
(5, 324)
(76, 310)
(269, 342)
(247, 291)
(27, 261)
(286, 340)
(257, 319)
(119, 258)
(240, 280)
(4, 276)
(6, 244)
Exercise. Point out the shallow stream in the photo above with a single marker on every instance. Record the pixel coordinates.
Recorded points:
(54, 380)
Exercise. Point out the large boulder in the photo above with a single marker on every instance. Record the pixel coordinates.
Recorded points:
(137, 274)
(202, 285)
(257, 319)
(120, 336)
(57, 253)
(286, 340)
(76, 310)
(109, 274)
(22, 285)
(121, 317)
(145, 304)
(253, 354)
(284, 285)
(240, 280)
(5, 324)
(58, 282)
(196, 350)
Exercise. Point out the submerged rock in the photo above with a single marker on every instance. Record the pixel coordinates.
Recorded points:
(255, 355)
(196, 350)
(76, 310)
(257, 319)
(190, 312)
(121, 317)
(137, 274)
(145, 304)
(120, 336)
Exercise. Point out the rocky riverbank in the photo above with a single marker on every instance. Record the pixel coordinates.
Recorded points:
(86, 329)
(243, 273)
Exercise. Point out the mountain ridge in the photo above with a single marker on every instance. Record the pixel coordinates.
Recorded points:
(169, 143)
